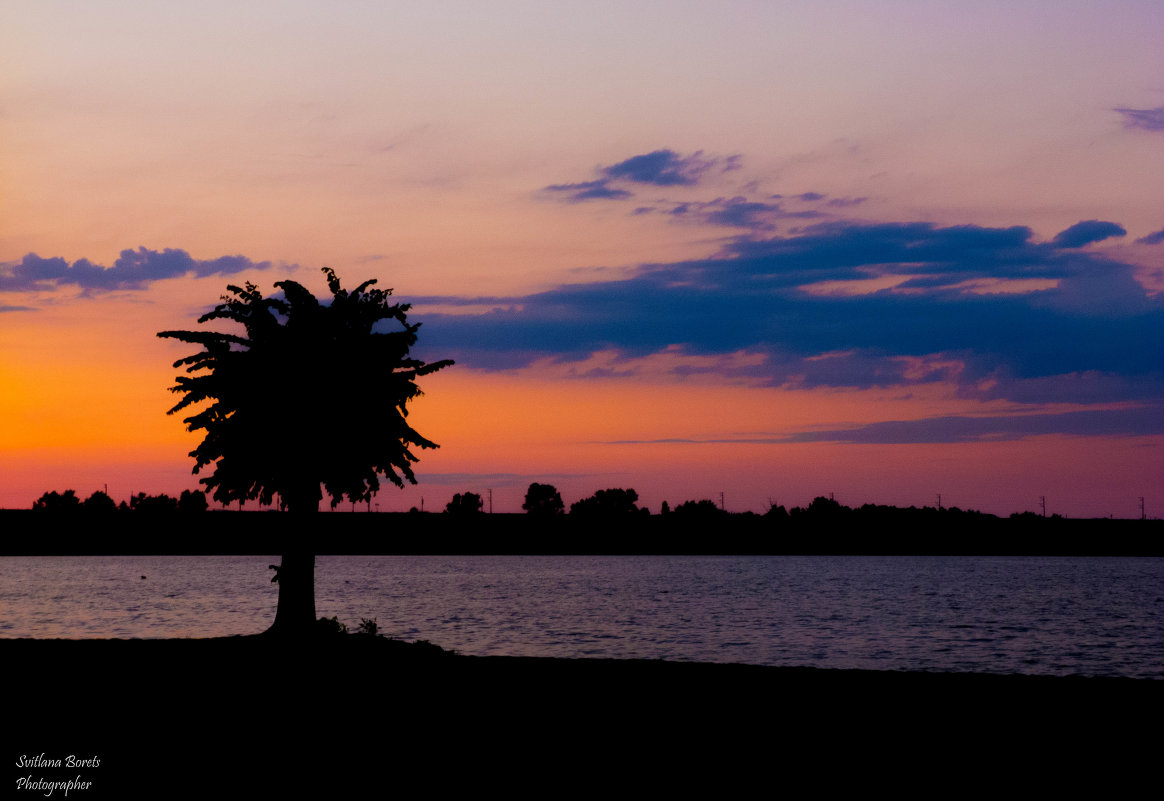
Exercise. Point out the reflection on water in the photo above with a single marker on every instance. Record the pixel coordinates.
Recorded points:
(1057, 615)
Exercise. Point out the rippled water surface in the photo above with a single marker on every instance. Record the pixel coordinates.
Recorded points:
(1057, 615)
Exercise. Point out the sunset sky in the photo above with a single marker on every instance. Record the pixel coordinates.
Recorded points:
(777, 250)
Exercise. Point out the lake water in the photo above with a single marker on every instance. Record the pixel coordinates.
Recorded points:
(1044, 615)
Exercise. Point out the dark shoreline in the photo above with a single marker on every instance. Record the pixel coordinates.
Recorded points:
(895, 532)
(142, 704)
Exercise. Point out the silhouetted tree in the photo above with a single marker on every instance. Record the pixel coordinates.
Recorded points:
(699, 510)
(153, 504)
(468, 503)
(543, 499)
(608, 502)
(665, 509)
(54, 501)
(192, 502)
(310, 394)
(100, 503)
(776, 513)
(826, 507)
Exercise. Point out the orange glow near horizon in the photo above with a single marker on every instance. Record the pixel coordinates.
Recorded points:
(85, 411)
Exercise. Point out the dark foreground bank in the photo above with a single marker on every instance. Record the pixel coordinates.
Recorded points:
(356, 715)
(875, 530)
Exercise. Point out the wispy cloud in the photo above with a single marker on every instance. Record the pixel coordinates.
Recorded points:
(495, 480)
(738, 212)
(133, 270)
(664, 168)
(590, 190)
(1149, 119)
(1154, 238)
(1138, 421)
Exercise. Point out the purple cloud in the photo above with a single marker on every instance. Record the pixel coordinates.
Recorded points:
(1086, 232)
(662, 168)
(133, 270)
(1154, 238)
(589, 190)
(1150, 119)
(1142, 420)
(1091, 334)
(738, 212)
(657, 168)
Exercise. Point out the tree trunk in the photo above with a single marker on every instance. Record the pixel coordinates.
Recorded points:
(295, 615)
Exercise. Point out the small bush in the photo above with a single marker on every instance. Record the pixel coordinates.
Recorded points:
(329, 626)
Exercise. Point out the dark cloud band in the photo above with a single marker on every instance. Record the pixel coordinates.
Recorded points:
(1088, 333)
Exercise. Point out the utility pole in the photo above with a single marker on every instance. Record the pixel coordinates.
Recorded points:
(1142, 516)
(1043, 502)
(939, 501)
(490, 491)
(721, 501)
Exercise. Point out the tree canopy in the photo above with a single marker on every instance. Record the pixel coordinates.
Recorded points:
(311, 394)
(543, 499)
(608, 502)
(467, 503)
(54, 501)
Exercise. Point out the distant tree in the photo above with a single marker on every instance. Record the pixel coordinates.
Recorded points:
(699, 510)
(99, 502)
(153, 504)
(665, 509)
(826, 507)
(468, 503)
(311, 394)
(66, 501)
(608, 503)
(543, 499)
(776, 513)
(192, 502)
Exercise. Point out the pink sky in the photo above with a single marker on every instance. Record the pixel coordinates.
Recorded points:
(702, 231)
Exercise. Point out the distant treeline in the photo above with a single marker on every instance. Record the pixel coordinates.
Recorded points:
(189, 502)
(545, 500)
(609, 522)
(541, 500)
